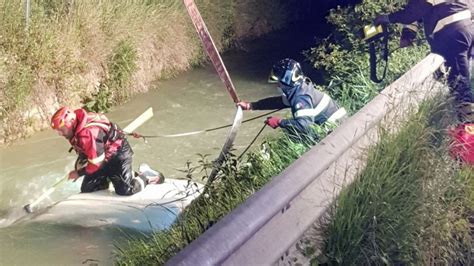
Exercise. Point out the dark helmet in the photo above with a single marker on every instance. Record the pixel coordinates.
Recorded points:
(286, 71)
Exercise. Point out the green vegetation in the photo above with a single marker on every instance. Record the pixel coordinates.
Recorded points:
(236, 181)
(408, 206)
(114, 90)
(100, 53)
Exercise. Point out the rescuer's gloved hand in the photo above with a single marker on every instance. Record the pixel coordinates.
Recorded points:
(273, 121)
(381, 19)
(73, 175)
(407, 38)
(244, 105)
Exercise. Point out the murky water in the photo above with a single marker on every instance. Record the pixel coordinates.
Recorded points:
(196, 100)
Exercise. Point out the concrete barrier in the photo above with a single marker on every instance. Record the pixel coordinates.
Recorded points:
(262, 229)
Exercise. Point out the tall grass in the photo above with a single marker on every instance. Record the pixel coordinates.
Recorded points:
(114, 89)
(70, 47)
(408, 206)
(100, 53)
(353, 88)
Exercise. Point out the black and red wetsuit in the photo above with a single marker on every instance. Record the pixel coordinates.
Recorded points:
(108, 154)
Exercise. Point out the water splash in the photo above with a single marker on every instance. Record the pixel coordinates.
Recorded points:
(12, 216)
(26, 193)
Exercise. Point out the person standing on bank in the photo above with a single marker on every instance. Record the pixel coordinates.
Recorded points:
(449, 30)
(308, 105)
(104, 153)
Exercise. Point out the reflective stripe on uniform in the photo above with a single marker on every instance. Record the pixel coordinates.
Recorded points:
(97, 160)
(316, 111)
(101, 125)
(285, 99)
(412, 27)
(340, 113)
(466, 14)
(436, 2)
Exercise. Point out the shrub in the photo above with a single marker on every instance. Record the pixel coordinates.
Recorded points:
(343, 56)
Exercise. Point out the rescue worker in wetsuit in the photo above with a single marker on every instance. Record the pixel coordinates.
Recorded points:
(104, 149)
(308, 105)
(449, 30)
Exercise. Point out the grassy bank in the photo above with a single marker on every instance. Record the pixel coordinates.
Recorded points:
(100, 53)
(410, 204)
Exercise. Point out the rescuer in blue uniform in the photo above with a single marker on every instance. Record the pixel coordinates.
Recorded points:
(449, 30)
(308, 105)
